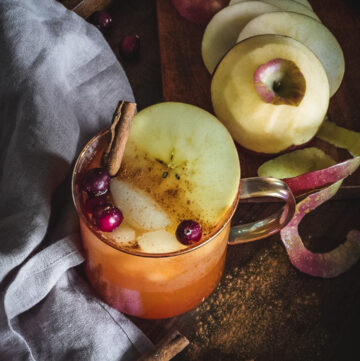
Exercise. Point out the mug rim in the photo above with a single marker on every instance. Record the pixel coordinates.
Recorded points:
(75, 190)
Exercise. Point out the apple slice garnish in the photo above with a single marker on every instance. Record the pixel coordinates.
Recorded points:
(223, 30)
(340, 137)
(286, 5)
(296, 83)
(184, 160)
(325, 265)
(309, 32)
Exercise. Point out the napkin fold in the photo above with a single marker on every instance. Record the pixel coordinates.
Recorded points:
(59, 85)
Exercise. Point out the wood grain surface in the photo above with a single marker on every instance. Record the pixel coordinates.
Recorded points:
(185, 78)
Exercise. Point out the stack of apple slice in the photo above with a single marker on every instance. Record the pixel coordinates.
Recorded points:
(270, 91)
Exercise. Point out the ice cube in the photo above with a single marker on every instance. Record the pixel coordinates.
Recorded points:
(124, 234)
(138, 208)
(159, 241)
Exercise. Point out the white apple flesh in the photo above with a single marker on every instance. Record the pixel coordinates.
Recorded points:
(307, 31)
(223, 30)
(305, 3)
(259, 125)
(285, 5)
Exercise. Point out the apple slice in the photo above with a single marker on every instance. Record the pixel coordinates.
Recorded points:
(185, 160)
(309, 32)
(286, 5)
(295, 163)
(305, 3)
(223, 30)
(271, 92)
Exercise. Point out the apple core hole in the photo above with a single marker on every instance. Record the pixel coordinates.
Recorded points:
(280, 81)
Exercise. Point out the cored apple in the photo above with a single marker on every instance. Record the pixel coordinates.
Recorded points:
(271, 92)
(286, 5)
(224, 28)
(308, 31)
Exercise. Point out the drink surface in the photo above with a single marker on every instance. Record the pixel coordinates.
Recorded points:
(180, 163)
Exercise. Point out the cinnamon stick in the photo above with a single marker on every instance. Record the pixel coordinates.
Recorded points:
(167, 348)
(119, 133)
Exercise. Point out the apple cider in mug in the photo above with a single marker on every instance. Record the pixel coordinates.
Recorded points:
(155, 234)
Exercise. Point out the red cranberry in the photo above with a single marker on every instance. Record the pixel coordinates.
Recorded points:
(188, 232)
(107, 217)
(130, 46)
(101, 19)
(94, 202)
(96, 181)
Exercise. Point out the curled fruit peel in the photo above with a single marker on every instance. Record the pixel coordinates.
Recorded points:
(340, 137)
(312, 180)
(325, 265)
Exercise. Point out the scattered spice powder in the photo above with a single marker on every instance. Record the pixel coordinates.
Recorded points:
(254, 308)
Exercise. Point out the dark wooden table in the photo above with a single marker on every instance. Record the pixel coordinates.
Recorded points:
(263, 308)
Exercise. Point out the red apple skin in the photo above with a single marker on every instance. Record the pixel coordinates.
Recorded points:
(322, 177)
(325, 265)
(199, 11)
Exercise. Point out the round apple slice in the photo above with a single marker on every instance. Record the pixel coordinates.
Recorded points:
(305, 3)
(309, 32)
(223, 30)
(286, 5)
(295, 163)
(186, 161)
(271, 92)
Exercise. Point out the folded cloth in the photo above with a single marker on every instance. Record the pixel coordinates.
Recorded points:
(59, 85)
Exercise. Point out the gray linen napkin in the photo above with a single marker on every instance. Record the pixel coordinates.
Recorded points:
(59, 85)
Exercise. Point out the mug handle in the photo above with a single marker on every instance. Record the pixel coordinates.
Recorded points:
(263, 187)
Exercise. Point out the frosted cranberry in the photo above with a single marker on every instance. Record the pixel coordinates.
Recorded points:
(107, 217)
(188, 232)
(94, 202)
(130, 46)
(96, 181)
(101, 19)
